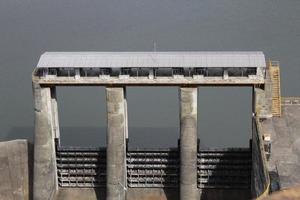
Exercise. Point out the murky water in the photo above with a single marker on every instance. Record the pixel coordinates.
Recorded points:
(30, 27)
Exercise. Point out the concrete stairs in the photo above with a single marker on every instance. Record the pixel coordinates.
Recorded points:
(276, 96)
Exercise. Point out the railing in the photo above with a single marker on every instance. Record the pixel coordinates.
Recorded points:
(290, 101)
(145, 72)
(276, 94)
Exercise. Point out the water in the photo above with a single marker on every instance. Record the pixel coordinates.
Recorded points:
(30, 27)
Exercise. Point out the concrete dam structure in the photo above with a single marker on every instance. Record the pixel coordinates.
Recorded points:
(188, 172)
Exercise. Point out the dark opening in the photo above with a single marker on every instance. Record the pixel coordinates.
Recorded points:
(82, 116)
(224, 117)
(153, 117)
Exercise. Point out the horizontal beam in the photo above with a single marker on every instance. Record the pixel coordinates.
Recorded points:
(130, 81)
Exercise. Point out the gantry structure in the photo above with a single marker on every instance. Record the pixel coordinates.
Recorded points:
(120, 172)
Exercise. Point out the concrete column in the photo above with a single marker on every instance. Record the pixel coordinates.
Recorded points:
(44, 177)
(55, 113)
(188, 143)
(116, 154)
(126, 114)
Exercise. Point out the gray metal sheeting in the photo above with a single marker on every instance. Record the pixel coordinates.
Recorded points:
(152, 59)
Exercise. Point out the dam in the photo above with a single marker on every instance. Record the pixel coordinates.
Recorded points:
(118, 172)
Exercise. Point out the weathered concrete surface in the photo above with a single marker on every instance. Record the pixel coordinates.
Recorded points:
(262, 102)
(80, 194)
(14, 170)
(188, 143)
(145, 81)
(116, 145)
(152, 194)
(45, 178)
(285, 151)
(132, 194)
(259, 175)
(288, 194)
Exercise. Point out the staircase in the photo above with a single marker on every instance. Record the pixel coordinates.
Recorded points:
(224, 169)
(276, 96)
(81, 167)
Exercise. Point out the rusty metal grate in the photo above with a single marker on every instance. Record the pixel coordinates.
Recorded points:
(81, 167)
(153, 168)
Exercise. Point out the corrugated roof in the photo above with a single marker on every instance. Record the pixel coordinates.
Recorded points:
(153, 59)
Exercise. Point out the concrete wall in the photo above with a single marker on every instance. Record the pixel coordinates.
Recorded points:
(44, 173)
(15, 168)
(260, 177)
(152, 194)
(81, 194)
(173, 194)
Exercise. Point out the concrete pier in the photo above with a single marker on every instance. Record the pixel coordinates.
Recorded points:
(45, 179)
(116, 148)
(188, 143)
(54, 109)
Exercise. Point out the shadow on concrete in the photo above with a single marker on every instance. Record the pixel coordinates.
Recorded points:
(275, 181)
(30, 169)
(100, 193)
(225, 182)
(172, 193)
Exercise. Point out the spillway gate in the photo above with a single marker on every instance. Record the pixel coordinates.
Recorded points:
(155, 168)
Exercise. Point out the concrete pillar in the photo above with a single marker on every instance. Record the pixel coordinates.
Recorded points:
(126, 114)
(55, 113)
(188, 143)
(45, 180)
(116, 154)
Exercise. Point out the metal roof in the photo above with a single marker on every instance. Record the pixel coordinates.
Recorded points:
(153, 59)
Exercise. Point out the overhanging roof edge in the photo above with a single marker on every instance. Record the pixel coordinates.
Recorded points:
(152, 59)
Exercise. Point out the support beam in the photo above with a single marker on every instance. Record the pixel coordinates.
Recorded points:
(45, 180)
(188, 143)
(116, 154)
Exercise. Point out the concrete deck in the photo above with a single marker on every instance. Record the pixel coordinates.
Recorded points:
(285, 136)
(80, 194)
